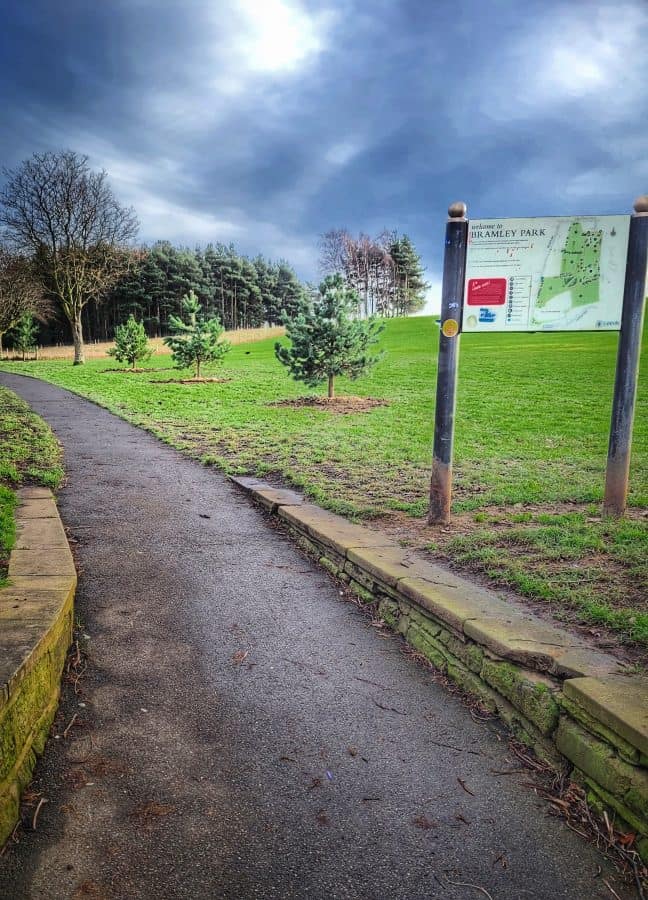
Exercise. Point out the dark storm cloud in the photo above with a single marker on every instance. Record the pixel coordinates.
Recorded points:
(268, 123)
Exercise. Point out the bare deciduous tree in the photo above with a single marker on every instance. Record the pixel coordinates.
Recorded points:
(385, 271)
(366, 265)
(64, 214)
(333, 251)
(20, 294)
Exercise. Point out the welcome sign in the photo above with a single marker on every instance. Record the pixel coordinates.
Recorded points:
(545, 274)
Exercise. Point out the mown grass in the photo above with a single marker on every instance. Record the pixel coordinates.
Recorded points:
(533, 415)
(29, 454)
(575, 561)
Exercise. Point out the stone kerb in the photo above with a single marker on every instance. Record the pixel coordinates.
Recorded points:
(575, 706)
(36, 620)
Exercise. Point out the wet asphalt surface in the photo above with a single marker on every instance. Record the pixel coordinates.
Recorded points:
(246, 732)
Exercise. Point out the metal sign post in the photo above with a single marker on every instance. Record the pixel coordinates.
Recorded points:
(627, 369)
(454, 269)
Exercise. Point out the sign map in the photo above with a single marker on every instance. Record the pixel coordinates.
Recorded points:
(545, 274)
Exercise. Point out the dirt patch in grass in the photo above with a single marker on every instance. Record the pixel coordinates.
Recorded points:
(340, 405)
(190, 380)
(126, 370)
(564, 561)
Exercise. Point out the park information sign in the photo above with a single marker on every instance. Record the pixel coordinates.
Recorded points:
(545, 274)
(576, 273)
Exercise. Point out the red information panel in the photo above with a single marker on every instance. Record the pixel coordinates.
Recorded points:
(486, 291)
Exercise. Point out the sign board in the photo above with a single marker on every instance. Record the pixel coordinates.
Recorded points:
(545, 274)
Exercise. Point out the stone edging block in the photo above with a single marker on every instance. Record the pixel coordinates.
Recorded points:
(619, 702)
(547, 684)
(36, 620)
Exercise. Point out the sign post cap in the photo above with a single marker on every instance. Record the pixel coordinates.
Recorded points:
(457, 210)
(641, 205)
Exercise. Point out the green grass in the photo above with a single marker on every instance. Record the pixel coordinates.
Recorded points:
(533, 414)
(29, 454)
(574, 561)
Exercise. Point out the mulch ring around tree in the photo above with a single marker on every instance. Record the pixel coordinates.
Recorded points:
(128, 370)
(200, 380)
(340, 405)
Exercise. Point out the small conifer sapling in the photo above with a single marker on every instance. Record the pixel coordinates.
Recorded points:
(25, 334)
(131, 342)
(195, 339)
(326, 340)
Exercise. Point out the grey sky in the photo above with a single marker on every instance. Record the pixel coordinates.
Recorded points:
(267, 122)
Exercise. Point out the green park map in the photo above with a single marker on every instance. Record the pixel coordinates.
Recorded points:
(554, 273)
(580, 269)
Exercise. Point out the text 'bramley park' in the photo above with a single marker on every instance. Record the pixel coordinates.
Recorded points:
(553, 274)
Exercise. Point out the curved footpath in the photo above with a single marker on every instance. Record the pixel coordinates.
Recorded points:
(243, 732)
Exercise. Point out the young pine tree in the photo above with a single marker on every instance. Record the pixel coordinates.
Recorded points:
(131, 342)
(196, 340)
(25, 334)
(326, 341)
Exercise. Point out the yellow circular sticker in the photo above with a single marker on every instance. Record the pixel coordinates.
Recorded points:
(450, 328)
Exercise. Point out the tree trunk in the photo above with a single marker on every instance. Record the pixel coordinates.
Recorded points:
(1, 350)
(331, 387)
(197, 368)
(77, 337)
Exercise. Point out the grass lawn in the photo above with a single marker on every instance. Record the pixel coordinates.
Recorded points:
(29, 454)
(532, 425)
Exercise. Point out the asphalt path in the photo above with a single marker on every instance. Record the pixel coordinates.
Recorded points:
(242, 731)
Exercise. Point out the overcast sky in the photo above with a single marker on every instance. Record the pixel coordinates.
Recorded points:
(267, 122)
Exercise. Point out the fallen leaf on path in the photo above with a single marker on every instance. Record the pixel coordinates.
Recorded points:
(322, 818)
(151, 810)
(89, 888)
(100, 766)
(465, 787)
(368, 681)
(76, 778)
(30, 797)
(627, 840)
(296, 662)
(389, 708)
(239, 656)
(423, 823)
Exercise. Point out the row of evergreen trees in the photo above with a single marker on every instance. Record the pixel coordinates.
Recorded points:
(243, 293)
(71, 263)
